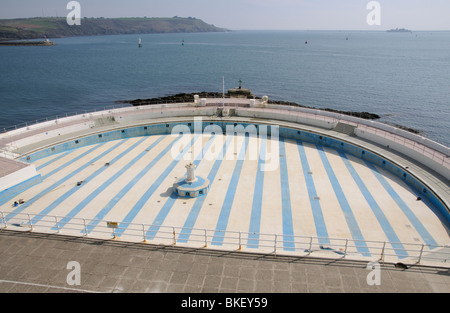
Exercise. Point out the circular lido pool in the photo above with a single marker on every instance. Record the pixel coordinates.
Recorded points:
(269, 189)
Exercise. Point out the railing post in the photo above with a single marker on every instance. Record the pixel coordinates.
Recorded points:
(275, 245)
(174, 237)
(382, 252)
(29, 220)
(143, 233)
(346, 246)
(420, 256)
(310, 246)
(57, 225)
(206, 240)
(240, 245)
(85, 228)
(4, 221)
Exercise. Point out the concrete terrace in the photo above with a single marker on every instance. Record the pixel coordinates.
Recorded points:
(37, 263)
(318, 200)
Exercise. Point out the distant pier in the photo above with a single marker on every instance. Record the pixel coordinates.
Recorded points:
(27, 43)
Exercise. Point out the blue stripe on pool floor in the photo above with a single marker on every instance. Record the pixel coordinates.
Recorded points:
(71, 161)
(112, 203)
(141, 202)
(224, 216)
(345, 206)
(82, 204)
(404, 207)
(255, 218)
(40, 167)
(55, 185)
(288, 227)
(74, 189)
(382, 220)
(160, 218)
(195, 210)
(321, 228)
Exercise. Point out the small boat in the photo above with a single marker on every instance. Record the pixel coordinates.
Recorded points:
(399, 30)
(140, 43)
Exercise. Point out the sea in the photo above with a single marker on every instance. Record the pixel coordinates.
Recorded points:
(403, 77)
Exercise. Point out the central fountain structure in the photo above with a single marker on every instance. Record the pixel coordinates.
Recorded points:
(191, 186)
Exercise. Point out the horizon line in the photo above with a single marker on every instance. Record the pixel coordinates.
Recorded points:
(230, 29)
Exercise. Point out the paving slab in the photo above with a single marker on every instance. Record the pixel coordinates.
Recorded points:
(32, 262)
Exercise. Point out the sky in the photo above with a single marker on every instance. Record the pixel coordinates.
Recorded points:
(257, 14)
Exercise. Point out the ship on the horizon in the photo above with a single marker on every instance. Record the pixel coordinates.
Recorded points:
(399, 30)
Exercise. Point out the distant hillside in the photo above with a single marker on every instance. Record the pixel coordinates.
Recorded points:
(33, 28)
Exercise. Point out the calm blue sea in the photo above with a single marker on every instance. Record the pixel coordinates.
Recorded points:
(403, 77)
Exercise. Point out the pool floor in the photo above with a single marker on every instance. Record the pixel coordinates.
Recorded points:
(260, 186)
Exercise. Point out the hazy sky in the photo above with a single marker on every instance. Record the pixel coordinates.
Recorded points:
(255, 14)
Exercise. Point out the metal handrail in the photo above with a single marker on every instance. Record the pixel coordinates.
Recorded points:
(235, 240)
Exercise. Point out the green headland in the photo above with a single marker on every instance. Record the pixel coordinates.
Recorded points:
(37, 28)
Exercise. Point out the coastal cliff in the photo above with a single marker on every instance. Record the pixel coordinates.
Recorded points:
(35, 28)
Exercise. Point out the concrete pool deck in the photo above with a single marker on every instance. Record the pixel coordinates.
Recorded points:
(336, 183)
(315, 191)
(37, 263)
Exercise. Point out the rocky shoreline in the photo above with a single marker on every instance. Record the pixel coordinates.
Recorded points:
(189, 97)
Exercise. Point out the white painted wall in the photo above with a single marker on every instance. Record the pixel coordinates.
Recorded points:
(327, 120)
(49, 135)
(17, 177)
(421, 158)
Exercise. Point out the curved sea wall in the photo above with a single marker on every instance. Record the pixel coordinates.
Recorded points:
(425, 151)
(423, 164)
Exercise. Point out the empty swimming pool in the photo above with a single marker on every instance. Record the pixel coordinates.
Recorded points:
(260, 185)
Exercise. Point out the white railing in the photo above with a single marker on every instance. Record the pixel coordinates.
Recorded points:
(433, 154)
(305, 246)
(430, 149)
